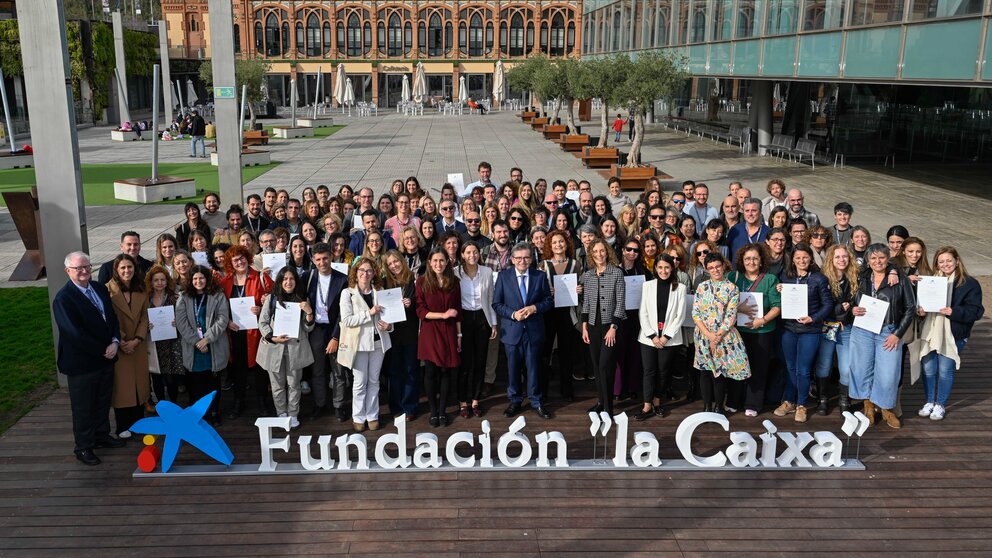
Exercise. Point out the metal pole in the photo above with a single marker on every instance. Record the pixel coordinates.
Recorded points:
(292, 99)
(120, 69)
(226, 108)
(6, 112)
(156, 87)
(316, 94)
(163, 43)
(244, 104)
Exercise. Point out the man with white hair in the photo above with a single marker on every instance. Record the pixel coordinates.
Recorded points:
(87, 349)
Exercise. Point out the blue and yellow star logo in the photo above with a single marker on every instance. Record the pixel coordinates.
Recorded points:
(179, 425)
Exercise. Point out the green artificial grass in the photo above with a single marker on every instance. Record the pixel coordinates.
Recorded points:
(98, 180)
(26, 349)
(318, 133)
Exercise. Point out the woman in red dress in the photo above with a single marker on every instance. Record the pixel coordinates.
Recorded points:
(439, 346)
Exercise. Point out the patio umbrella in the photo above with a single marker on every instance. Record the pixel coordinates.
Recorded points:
(462, 90)
(419, 83)
(499, 84)
(339, 83)
(405, 94)
(191, 97)
(179, 95)
(349, 95)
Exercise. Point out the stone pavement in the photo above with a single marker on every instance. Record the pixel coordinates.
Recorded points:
(939, 204)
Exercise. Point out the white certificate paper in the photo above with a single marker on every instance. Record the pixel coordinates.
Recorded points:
(241, 312)
(632, 291)
(752, 299)
(566, 287)
(340, 267)
(200, 258)
(874, 316)
(391, 301)
(287, 320)
(687, 322)
(933, 293)
(274, 262)
(161, 321)
(458, 181)
(573, 195)
(795, 302)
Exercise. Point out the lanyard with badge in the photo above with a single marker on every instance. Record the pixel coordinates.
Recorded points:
(198, 303)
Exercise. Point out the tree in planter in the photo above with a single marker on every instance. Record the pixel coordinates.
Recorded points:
(652, 76)
(601, 77)
(521, 76)
(250, 72)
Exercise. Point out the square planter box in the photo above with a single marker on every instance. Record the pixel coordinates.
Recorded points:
(319, 122)
(249, 158)
(288, 132)
(143, 190)
(121, 135)
(18, 161)
(635, 178)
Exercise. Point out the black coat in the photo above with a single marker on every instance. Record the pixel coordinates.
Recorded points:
(901, 299)
(84, 334)
(107, 270)
(966, 308)
(819, 303)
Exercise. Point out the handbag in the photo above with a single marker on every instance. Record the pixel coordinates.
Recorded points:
(830, 330)
(153, 365)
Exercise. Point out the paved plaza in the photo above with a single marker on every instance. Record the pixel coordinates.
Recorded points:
(943, 205)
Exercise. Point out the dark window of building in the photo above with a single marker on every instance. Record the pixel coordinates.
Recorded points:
(475, 37)
(516, 35)
(395, 36)
(259, 37)
(354, 35)
(313, 35)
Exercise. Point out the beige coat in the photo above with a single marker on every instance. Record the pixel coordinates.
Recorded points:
(270, 354)
(358, 328)
(131, 382)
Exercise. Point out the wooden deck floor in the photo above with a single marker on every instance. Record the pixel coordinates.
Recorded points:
(927, 490)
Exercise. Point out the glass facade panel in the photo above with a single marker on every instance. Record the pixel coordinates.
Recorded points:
(822, 14)
(872, 52)
(749, 18)
(723, 20)
(746, 56)
(697, 59)
(931, 9)
(779, 56)
(986, 66)
(942, 50)
(869, 12)
(720, 59)
(782, 15)
(819, 55)
(697, 31)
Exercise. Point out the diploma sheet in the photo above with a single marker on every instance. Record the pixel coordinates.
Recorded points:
(751, 299)
(161, 321)
(241, 312)
(933, 293)
(275, 262)
(795, 301)
(875, 311)
(287, 320)
(391, 301)
(632, 291)
(566, 286)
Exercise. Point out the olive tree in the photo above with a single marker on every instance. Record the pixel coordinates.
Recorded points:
(250, 72)
(652, 76)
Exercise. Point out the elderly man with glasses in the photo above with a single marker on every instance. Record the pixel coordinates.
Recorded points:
(447, 221)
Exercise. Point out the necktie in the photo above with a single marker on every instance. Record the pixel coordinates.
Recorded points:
(91, 294)
(523, 287)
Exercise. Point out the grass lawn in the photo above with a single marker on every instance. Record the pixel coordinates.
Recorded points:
(26, 351)
(98, 180)
(318, 133)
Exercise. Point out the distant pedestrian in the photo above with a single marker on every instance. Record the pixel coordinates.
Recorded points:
(618, 127)
(198, 130)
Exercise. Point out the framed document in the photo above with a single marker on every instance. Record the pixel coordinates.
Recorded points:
(795, 301)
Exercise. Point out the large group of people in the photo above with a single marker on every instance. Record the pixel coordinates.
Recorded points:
(665, 297)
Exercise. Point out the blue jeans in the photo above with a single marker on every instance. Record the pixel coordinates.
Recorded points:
(404, 380)
(617, 138)
(203, 146)
(825, 356)
(875, 372)
(800, 351)
(938, 375)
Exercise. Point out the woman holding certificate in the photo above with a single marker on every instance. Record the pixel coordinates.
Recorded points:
(364, 341)
(660, 316)
(280, 353)
(883, 314)
(760, 305)
(404, 369)
(478, 327)
(168, 354)
(439, 345)
(131, 382)
(202, 315)
(806, 303)
(841, 271)
(560, 322)
(244, 285)
(946, 330)
(720, 353)
(631, 375)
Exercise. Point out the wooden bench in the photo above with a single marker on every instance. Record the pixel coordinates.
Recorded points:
(599, 157)
(255, 137)
(539, 123)
(573, 142)
(527, 115)
(553, 131)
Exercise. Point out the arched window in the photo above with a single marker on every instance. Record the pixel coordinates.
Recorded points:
(475, 36)
(340, 40)
(489, 37)
(285, 38)
(543, 40)
(449, 37)
(237, 38)
(380, 34)
(367, 36)
(272, 47)
(463, 37)
(504, 43)
(327, 38)
(192, 23)
(530, 36)
(259, 37)
(422, 36)
(435, 37)
(615, 36)
(557, 45)
(517, 35)
(395, 36)
(313, 35)
(407, 38)
(570, 38)
(354, 35)
(300, 41)
(662, 20)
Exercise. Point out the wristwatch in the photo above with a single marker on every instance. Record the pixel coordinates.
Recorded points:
(613, 327)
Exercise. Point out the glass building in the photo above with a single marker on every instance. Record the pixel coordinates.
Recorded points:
(907, 76)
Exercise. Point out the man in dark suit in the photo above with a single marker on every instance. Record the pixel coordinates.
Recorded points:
(88, 343)
(130, 245)
(521, 298)
(446, 220)
(324, 286)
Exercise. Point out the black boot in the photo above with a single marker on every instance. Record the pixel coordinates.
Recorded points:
(318, 411)
(844, 401)
(263, 407)
(239, 407)
(823, 408)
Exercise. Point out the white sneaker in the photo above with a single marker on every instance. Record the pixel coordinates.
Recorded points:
(926, 410)
(305, 387)
(124, 435)
(938, 413)
(294, 422)
(750, 413)
(283, 415)
(730, 409)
